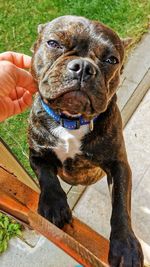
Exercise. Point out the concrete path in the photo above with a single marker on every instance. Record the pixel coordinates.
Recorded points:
(43, 254)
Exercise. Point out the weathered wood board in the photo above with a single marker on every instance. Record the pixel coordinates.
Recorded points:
(78, 240)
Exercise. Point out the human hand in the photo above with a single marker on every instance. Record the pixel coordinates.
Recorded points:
(16, 84)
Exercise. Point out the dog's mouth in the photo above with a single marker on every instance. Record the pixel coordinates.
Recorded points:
(68, 114)
(73, 96)
(72, 104)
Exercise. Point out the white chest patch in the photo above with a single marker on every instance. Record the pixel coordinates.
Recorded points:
(69, 141)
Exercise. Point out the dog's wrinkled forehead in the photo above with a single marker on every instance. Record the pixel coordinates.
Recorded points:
(81, 29)
(69, 22)
(72, 24)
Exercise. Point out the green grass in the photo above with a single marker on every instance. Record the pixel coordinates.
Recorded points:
(8, 229)
(18, 30)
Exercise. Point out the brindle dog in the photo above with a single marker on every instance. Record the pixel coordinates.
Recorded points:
(77, 65)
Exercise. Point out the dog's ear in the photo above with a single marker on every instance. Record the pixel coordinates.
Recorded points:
(127, 42)
(41, 27)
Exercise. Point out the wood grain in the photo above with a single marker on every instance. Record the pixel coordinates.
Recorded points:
(78, 240)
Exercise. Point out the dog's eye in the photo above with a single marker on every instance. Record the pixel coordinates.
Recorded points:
(53, 43)
(112, 60)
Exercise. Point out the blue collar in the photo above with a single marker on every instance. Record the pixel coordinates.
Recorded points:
(68, 123)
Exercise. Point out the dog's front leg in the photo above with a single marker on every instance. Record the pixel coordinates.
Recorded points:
(53, 200)
(125, 250)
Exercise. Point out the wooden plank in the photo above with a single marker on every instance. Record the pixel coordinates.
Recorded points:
(77, 239)
(18, 190)
(60, 238)
(72, 247)
(93, 241)
(11, 206)
(11, 163)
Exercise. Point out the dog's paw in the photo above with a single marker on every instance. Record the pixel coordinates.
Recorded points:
(55, 209)
(125, 252)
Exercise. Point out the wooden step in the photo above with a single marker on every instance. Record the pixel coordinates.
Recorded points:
(77, 239)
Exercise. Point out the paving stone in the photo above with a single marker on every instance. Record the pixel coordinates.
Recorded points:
(44, 254)
(94, 208)
(141, 208)
(137, 139)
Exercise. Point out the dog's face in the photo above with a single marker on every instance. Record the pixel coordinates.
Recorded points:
(77, 65)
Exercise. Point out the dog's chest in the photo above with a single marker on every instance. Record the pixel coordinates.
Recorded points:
(76, 168)
(69, 141)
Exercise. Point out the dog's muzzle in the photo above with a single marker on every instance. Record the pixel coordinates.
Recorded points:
(81, 69)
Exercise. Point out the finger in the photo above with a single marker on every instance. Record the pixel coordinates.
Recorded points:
(24, 102)
(24, 79)
(18, 59)
(12, 76)
(7, 77)
(17, 93)
(9, 108)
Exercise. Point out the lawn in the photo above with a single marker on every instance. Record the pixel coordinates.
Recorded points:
(18, 27)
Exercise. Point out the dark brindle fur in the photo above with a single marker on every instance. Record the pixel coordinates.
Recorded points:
(77, 65)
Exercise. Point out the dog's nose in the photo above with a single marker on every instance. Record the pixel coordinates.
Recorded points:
(81, 69)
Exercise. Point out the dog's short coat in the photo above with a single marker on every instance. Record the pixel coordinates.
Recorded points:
(77, 65)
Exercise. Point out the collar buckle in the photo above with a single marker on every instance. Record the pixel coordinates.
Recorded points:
(66, 123)
(77, 123)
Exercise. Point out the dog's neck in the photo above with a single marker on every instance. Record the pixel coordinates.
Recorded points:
(71, 123)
